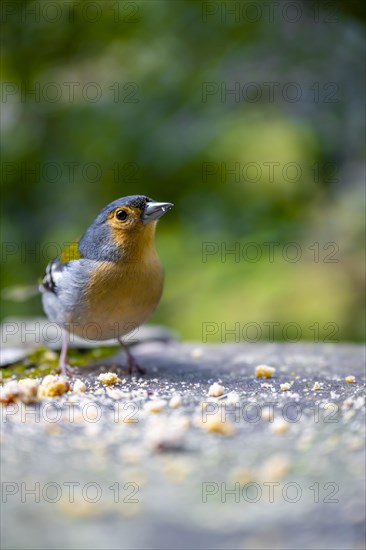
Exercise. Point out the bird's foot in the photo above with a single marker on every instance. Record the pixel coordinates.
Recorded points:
(132, 365)
(65, 369)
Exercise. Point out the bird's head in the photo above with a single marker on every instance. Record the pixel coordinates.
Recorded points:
(124, 227)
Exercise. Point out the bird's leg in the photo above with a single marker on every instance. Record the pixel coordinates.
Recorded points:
(63, 366)
(131, 361)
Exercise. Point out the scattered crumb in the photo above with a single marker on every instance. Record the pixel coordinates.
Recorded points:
(232, 398)
(175, 402)
(28, 390)
(117, 394)
(184, 422)
(359, 402)
(53, 386)
(176, 471)
(125, 415)
(286, 386)
(79, 386)
(241, 475)
(317, 386)
(196, 353)
(330, 405)
(279, 426)
(79, 509)
(347, 403)
(155, 405)
(264, 371)
(215, 390)
(276, 467)
(267, 414)
(108, 378)
(131, 455)
(355, 444)
(10, 392)
(214, 424)
(350, 379)
(164, 434)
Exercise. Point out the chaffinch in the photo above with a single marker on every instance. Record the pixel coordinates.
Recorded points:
(111, 280)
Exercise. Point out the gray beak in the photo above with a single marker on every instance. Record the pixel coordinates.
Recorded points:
(154, 210)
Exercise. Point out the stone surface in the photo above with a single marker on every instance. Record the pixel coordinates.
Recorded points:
(286, 471)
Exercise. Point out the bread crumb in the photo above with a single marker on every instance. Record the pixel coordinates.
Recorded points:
(330, 405)
(232, 398)
(350, 379)
(267, 414)
(10, 392)
(196, 353)
(79, 386)
(214, 424)
(359, 402)
(28, 390)
(176, 471)
(184, 422)
(53, 386)
(164, 433)
(108, 378)
(155, 405)
(131, 455)
(264, 371)
(241, 475)
(126, 415)
(275, 468)
(317, 386)
(116, 394)
(279, 426)
(286, 386)
(215, 390)
(175, 402)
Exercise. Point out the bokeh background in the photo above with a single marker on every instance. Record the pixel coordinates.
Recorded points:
(104, 99)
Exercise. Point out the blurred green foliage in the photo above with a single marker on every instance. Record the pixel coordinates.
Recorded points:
(103, 99)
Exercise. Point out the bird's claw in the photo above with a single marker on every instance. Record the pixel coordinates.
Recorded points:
(132, 366)
(66, 370)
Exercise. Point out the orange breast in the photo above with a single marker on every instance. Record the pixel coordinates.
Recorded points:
(121, 296)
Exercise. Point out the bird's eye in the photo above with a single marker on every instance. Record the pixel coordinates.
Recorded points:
(121, 215)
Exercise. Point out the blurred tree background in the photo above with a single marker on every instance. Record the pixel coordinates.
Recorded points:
(247, 115)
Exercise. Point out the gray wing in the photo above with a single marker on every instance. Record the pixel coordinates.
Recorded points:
(52, 275)
(63, 289)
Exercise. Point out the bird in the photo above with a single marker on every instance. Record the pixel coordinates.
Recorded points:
(110, 281)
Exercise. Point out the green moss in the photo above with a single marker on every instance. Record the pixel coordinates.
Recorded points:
(43, 361)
